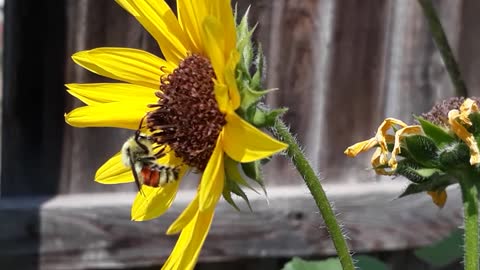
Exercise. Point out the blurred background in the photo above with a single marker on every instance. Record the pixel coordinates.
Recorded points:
(341, 67)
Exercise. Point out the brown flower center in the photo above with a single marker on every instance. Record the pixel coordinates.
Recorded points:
(438, 115)
(187, 118)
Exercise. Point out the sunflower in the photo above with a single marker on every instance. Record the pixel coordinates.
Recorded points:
(440, 151)
(189, 100)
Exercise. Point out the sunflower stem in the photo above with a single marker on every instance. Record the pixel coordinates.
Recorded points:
(312, 181)
(443, 46)
(470, 212)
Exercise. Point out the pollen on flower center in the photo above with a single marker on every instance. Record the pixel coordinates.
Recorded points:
(187, 118)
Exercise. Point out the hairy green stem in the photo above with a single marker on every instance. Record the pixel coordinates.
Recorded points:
(443, 46)
(313, 184)
(470, 212)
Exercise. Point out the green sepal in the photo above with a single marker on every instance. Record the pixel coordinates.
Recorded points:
(415, 172)
(422, 149)
(475, 127)
(438, 134)
(232, 187)
(251, 97)
(254, 171)
(454, 156)
(440, 182)
(256, 82)
(261, 118)
(244, 45)
(232, 173)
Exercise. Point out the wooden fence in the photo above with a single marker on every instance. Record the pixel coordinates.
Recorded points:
(341, 66)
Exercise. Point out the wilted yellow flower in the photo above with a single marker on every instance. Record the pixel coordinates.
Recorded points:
(432, 154)
(189, 99)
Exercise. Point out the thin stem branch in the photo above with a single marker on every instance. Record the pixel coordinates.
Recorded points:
(470, 210)
(313, 183)
(443, 46)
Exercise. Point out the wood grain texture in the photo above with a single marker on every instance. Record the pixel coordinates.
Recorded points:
(95, 231)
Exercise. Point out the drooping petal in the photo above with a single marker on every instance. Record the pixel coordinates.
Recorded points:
(125, 64)
(185, 253)
(465, 136)
(377, 161)
(159, 20)
(117, 114)
(213, 178)
(214, 41)
(438, 197)
(114, 172)
(401, 133)
(245, 143)
(383, 129)
(185, 217)
(468, 106)
(354, 150)
(98, 93)
(153, 202)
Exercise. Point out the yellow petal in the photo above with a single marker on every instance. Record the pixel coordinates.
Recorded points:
(438, 197)
(231, 81)
(468, 106)
(222, 10)
(401, 133)
(114, 172)
(383, 129)
(245, 143)
(117, 114)
(222, 98)
(214, 39)
(213, 178)
(153, 202)
(187, 215)
(190, 14)
(98, 93)
(377, 161)
(185, 253)
(354, 150)
(159, 20)
(465, 136)
(125, 64)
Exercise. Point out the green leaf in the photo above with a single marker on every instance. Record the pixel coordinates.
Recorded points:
(422, 149)
(475, 128)
(444, 252)
(369, 263)
(299, 264)
(436, 182)
(438, 134)
(415, 172)
(455, 155)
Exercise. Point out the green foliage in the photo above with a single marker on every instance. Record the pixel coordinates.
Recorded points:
(439, 135)
(422, 149)
(443, 252)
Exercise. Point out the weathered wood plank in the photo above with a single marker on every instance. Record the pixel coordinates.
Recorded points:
(95, 231)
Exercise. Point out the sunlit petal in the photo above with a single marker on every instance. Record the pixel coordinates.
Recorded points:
(214, 39)
(98, 93)
(185, 217)
(245, 143)
(125, 64)
(159, 20)
(117, 114)
(114, 172)
(211, 184)
(152, 202)
(185, 253)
